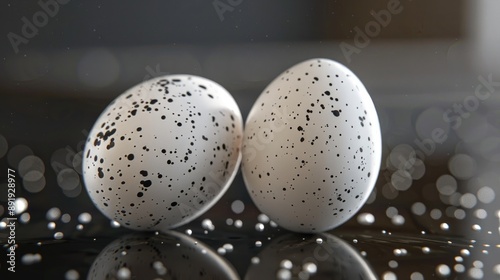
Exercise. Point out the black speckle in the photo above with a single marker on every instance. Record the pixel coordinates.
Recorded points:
(140, 194)
(173, 204)
(144, 173)
(100, 173)
(146, 183)
(130, 157)
(336, 113)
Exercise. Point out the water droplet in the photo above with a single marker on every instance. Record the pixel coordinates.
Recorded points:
(228, 247)
(85, 218)
(416, 276)
(476, 227)
(237, 206)
(221, 251)
(319, 240)
(286, 264)
(25, 218)
(459, 214)
(400, 252)
(114, 224)
(284, 274)
(446, 184)
(401, 180)
(476, 273)
(496, 269)
(21, 205)
(393, 264)
(465, 252)
(273, 224)
(436, 214)
(426, 250)
(229, 221)
(398, 220)
(481, 214)
(468, 200)
(391, 212)
(486, 195)
(443, 270)
(238, 223)
(263, 218)
(53, 214)
(366, 218)
(310, 268)
(66, 218)
(258, 243)
(58, 235)
(123, 273)
(72, 275)
(389, 275)
(478, 264)
(160, 268)
(459, 268)
(444, 226)
(29, 259)
(255, 260)
(207, 224)
(462, 166)
(51, 225)
(189, 232)
(418, 208)
(259, 227)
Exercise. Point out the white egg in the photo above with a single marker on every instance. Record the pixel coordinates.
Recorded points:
(312, 147)
(163, 152)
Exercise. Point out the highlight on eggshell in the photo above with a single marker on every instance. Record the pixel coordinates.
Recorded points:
(312, 147)
(163, 152)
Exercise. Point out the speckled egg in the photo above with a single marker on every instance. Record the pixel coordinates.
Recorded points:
(163, 152)
(312, 147)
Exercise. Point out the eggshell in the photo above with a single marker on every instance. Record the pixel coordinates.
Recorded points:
(312, 147)
(163, 152)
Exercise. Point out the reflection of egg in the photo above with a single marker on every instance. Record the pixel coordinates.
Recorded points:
(321, 256)
(171, 255)
(163, 152)
(312, 147)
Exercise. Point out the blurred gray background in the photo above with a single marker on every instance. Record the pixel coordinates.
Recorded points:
(61, 63)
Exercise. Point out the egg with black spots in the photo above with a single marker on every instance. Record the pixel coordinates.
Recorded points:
(312, 147)
(163, 152)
